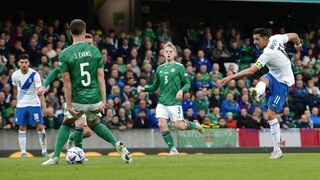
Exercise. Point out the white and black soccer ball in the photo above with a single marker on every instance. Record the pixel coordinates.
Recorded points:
(75, 155)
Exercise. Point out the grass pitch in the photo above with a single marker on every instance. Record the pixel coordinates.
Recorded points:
(153, 167)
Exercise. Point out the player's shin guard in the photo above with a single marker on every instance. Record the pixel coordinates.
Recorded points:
(103, 132)
(78, 137)
(61, 139)
(275, 132)
(22, 137)
(43, 140)
(168, 139)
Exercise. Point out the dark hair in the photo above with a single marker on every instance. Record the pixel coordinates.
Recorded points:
(262, 32)
(24, 56)
(88, 36)
(77, 26)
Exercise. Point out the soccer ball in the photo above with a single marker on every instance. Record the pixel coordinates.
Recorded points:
(75, 155)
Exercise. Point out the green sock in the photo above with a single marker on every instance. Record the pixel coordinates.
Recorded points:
(71, 137)
(61, 139)
(168, 139)
(191, 125)
(103, 132)
(78, 137)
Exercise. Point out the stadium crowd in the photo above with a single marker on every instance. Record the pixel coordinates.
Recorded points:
(209, 54)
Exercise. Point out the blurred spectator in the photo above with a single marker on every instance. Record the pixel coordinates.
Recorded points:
(220, 55)
(215, 115)
(230, 105)
(201, 102)
(50, 121)
(230, 121)
(190, 114)
(216, 98)
(187, 102)
(200, 60)
(303, 122)
(163, 33)
(222, 123)
(315, 117)
(141, 120)
(149, 32)
(114, 123)
(206, 123)
(314, 98)
(247, 55)
(207, 44)
(299, 95)
(287, 121)
(245, 104)
(244, 120)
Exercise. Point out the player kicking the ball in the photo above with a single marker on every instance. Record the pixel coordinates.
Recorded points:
(82, 71)
(172, 80)
(279, 79)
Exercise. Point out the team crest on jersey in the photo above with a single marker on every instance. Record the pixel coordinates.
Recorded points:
(19, 83)
(172, 70)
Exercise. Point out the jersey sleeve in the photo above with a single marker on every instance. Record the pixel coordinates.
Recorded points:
(155, 84)
(52, 76)
(63, 65)
(185, 80)
(282, 37)
(14, 79)
(37, 80)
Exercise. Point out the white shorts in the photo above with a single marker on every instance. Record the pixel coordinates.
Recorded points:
(174, 113)
(84, 109)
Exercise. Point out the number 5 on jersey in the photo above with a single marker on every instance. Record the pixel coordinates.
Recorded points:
(85, 73)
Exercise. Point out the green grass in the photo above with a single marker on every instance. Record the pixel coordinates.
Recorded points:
(153, 167)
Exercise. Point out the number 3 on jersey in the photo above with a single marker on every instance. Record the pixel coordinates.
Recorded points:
(85, 73)
(165, 79)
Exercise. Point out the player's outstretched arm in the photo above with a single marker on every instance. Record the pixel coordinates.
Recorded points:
(295, 38)
(245, 73)
(155, 85)
(52, 76)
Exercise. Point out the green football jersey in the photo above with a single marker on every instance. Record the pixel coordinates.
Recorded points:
(82, 61)
(170, 78)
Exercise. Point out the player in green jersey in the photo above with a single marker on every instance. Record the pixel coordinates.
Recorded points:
(81, 122)
(82, 71)
(172, 80)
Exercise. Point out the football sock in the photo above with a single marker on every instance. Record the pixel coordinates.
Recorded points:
(275, 132)
(22, 141)
(43, 140)
(103, 132)
(191, 125)
(168, 139)
(78, 137)
(61, 139)
(260, 88)
(71, 137)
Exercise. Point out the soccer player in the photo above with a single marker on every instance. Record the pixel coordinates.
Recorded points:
(26, 81)
(172, 80)
(279, 79)
(82, 71)
(81, 122)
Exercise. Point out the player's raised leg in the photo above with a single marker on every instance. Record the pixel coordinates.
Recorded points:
(102, 131)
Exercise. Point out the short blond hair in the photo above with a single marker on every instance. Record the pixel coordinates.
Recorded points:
(169, 44)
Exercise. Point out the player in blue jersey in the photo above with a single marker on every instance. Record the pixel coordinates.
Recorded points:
(26, 81)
